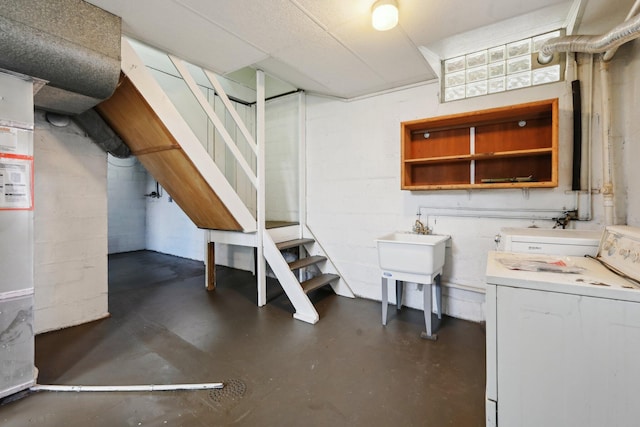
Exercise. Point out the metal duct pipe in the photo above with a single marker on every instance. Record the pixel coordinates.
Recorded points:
(619, 35)
(71, 45)
(634, 10)
(101, 133)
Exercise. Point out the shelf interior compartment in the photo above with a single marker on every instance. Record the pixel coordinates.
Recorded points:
(438, 174)
(539, 167)
(512, 146)
(438, 143)
(509, 135)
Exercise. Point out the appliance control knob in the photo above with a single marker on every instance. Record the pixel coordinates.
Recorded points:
(635, 257)
(624, 252)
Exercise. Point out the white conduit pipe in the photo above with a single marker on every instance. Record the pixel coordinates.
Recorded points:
(150, 387)
(619, 35)
(589, 114)
(607, 185)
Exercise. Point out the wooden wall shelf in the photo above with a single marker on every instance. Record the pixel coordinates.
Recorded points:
(508, 147)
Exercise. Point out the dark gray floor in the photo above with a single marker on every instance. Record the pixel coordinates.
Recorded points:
(347, 370)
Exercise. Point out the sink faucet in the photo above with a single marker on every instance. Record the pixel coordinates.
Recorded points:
(419, 227)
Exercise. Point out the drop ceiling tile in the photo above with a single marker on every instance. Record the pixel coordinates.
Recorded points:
(190, 37)
(292, 75)
(334, 13)
(531, 24)
(390, 53)
(325, 60)
(267, 25)
(428, 22)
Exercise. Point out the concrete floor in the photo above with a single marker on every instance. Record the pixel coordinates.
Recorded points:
(347, 370)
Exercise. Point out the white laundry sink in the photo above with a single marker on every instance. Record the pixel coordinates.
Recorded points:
(418, 258)
(411, 254)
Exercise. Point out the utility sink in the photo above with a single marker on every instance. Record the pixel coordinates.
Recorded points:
(412, 254)
(418, 258)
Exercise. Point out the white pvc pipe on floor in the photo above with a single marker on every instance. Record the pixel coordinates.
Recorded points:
(149, 387)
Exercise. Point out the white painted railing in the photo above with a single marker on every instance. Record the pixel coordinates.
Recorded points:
(224, 127)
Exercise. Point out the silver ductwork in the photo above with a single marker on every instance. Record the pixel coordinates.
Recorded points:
(101, 133)
(71, 45)
(619, 35)
(607, 44)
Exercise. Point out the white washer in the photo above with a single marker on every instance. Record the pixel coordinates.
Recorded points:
(550, 241)
(562, 346)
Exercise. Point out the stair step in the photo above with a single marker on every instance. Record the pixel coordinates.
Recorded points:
(306, 262)
(293, 243)
(318, 282)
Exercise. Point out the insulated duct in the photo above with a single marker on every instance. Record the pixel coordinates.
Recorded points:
(71, 44)
(101, 133)
(619, 35)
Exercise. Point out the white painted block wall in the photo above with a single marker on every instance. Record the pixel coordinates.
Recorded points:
(169, 229)
(126, 187)
(70, 227)
(354, 191)
(626, 132)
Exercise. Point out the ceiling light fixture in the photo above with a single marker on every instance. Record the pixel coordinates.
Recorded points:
(384, 15)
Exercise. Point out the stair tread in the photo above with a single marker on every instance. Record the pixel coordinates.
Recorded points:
(318, 282)
(305, 262)
(293, 243)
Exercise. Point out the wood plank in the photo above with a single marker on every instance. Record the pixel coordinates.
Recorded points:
(318, 282)
(481, 156)
(129, 115)
(278, 224)
(293, 243)
(306, 262)
(155, 150)
(527, 111)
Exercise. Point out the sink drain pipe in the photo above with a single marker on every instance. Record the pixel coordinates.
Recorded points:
(104, 388)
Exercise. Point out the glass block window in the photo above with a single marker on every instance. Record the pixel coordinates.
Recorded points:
(497, 69)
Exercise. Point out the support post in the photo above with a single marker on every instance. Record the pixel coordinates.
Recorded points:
(261, 202)
(211, 266)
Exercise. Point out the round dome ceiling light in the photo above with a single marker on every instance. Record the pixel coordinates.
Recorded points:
(384, 15)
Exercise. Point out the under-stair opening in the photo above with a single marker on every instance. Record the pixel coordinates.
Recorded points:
(230, 207)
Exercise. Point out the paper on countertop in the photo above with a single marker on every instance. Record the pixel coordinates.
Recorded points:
(554, 265)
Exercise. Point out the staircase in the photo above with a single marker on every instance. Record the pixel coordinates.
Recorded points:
(298, 287)
(146, 120)
(302, 265)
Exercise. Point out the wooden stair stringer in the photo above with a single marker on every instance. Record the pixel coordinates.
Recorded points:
(313, 247)
(143, 116)
(305, 310)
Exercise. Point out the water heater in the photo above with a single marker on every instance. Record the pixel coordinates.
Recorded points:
(17, 370)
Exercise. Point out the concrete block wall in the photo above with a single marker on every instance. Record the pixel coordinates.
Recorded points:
(626, 131)
(126, 187)
(70, 227)
(168, 229)
(354, 196)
